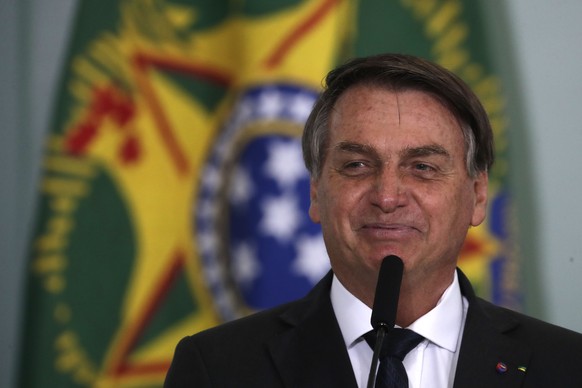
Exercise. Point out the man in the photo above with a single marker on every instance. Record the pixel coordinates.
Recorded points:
(398, 150)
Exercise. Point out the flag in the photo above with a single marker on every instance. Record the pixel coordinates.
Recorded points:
(173, 195)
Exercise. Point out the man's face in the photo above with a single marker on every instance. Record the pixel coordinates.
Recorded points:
(394, 181)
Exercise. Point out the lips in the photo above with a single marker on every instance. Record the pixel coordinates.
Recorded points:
(390, 230)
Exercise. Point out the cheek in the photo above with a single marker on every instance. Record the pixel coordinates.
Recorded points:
(335, 205)
(340, 203)
(460, 208)
(451, 210)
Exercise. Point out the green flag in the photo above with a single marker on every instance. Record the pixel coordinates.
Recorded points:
(162, 105)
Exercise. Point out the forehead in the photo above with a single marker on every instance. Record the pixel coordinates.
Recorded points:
(373, 114)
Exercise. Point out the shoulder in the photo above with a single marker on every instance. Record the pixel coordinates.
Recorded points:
(233, 351)
(254, 327)
(541, 335)
(258, 328)
(494, 334)
(485, 318)
(239, 352)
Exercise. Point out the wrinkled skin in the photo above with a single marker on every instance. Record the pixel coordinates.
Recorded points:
(394, 181)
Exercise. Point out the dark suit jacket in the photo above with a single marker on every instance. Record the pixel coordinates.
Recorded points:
(300, 345)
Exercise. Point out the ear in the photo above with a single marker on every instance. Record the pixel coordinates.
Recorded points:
(480, 185)
(314, 205)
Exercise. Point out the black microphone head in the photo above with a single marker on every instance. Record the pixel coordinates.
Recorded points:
(387, 292)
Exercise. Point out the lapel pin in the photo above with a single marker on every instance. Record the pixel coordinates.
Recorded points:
(522, 369)
(501, 367)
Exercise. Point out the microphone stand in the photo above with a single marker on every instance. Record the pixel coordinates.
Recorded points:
(385, 306)
(380, 334)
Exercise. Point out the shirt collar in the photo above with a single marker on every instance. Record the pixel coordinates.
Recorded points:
(352, 315)
(441, 325)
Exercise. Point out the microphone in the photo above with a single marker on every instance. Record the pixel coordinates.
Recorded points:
(387, 292)
(385, 306)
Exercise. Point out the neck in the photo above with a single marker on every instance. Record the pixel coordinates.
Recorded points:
(419, 293)
(415, 301)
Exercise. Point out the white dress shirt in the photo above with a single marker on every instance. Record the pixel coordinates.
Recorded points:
(433, 362)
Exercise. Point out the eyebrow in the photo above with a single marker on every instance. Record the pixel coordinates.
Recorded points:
(427, 150)
(357, 148)
(408, 152)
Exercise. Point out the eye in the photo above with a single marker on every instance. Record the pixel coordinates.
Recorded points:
(423, 170)
(355, 168)
(354, 165)
(423, 167)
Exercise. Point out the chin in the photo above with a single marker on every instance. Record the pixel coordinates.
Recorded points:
(389, 252)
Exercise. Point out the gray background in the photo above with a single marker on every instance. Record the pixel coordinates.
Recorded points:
(539, 55)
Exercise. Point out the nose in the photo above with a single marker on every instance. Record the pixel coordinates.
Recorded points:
(389, 192)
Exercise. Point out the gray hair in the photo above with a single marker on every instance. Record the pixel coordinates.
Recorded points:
(399, 72)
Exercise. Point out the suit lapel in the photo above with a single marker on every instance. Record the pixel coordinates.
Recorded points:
(311, 353)
(489, 357)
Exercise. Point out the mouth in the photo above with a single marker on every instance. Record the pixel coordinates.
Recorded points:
(390, 230)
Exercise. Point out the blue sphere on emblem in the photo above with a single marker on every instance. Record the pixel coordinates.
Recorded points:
(257, 245)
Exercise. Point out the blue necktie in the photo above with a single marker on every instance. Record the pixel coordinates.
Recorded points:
(397, 344)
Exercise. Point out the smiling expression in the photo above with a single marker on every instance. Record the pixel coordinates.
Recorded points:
(394, 181)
